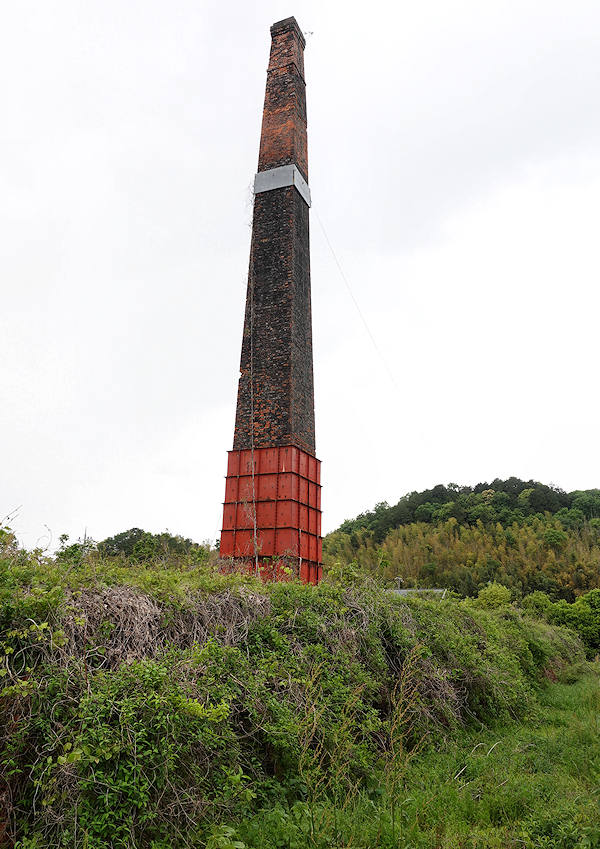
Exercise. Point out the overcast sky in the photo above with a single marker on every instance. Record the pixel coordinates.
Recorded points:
(455, 166)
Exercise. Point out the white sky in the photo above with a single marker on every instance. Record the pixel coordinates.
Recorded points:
(455, 164)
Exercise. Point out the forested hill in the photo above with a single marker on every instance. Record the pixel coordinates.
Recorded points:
(524, 534)
(507, 502)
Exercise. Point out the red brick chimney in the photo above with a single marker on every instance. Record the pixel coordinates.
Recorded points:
(271, 514)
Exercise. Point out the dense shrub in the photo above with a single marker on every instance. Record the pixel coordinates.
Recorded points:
(583, 616)
(493, 596)
(151, 705)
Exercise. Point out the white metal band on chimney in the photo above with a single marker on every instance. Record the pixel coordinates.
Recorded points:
(279, 178)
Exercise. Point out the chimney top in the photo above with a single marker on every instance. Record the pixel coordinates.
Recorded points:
(288, 25)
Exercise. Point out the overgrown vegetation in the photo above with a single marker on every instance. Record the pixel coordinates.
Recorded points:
(531, 784)
(164, 704)
(583, 616)
(525, 535)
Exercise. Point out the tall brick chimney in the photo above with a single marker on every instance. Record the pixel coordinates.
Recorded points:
(271, 514)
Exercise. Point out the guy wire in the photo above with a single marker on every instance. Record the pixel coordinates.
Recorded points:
(251, 280)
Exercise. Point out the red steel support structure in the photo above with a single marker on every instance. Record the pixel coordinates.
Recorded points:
(272, 508)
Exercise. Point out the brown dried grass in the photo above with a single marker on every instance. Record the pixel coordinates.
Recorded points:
(129, 625)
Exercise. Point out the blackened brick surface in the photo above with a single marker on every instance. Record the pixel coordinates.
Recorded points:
(277, 340)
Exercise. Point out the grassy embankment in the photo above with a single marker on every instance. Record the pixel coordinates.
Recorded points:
(530, 783)
(163, 705)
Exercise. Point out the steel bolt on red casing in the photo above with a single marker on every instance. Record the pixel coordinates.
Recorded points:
(286, 493)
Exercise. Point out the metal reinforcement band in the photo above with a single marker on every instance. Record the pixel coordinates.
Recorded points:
(279, 178)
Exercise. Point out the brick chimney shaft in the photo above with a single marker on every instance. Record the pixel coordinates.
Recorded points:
(277, 327)
(283, 135)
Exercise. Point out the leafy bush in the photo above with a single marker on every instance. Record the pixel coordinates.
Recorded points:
(493, 596)
(583, 616)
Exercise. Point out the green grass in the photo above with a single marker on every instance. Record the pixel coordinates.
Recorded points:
(531, 784)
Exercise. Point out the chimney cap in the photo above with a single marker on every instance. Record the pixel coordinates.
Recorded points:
(288, 25)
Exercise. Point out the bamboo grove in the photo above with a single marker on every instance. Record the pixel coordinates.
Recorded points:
(524, 535)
